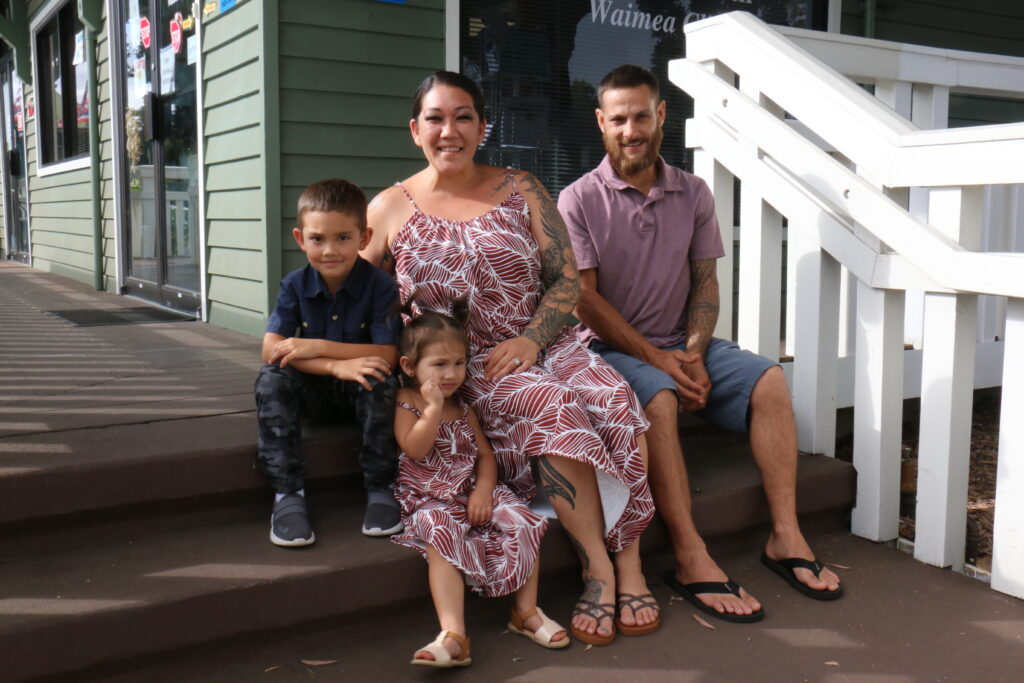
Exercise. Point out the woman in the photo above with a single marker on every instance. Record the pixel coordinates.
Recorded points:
(458, 228)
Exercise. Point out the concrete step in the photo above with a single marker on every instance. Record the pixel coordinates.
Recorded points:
(208, 574)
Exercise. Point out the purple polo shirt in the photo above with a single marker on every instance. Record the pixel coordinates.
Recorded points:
(642, 246)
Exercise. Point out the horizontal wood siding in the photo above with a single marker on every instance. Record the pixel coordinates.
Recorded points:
(235, 150)
(60, 205)
(994, 26)
(347, 71)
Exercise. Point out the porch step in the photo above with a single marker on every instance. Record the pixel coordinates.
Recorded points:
(198, 568)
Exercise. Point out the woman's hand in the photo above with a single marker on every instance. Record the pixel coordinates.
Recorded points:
(511, 356)
(480, 505)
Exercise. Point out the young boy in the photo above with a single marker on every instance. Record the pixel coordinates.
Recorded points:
(329, 347)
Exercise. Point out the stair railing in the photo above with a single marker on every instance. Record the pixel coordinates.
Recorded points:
(838, 217)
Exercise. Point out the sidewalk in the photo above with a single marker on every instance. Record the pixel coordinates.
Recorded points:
(133, 525)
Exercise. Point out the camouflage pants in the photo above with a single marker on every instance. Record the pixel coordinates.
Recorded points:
(285, 395)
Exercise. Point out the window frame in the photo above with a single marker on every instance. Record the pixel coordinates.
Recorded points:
(50, 12)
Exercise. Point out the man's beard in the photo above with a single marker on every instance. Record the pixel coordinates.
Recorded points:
(628, 166)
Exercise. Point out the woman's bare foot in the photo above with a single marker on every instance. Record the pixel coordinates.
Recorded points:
(594, 612)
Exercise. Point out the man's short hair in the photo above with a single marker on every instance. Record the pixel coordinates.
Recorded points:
(334, 194)
(628, 76)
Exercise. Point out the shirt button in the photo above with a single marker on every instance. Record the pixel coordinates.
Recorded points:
(334, 317)
(305, 324)
(361, 326)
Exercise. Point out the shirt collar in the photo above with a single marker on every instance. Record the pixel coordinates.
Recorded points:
(665, 181)
(313, 284)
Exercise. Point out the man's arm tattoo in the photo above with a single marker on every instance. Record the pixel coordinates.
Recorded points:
(553, 484)
(702, 313)
(558, 270)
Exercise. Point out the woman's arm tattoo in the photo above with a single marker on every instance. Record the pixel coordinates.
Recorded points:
(702, 313)
(558, 270)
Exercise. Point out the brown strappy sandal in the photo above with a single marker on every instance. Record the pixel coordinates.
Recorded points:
(636, 603)
(596, 611)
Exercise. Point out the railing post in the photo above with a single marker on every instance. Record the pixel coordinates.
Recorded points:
(815, 361)
(947, 391)
(760, 299)
(721, 182)
(1008, 529)
(878, 412)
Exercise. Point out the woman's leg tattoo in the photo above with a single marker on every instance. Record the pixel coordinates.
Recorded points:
(553, 484)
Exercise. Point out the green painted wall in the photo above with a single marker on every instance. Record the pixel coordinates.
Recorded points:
(236, 130)
(347, 70)
(61, 226)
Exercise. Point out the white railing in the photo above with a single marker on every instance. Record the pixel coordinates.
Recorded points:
(851, 238)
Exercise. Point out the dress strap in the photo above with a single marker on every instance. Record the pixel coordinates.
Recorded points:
(410, 407)
(511, 175)
(409, 196)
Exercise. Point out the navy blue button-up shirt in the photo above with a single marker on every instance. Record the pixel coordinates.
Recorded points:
(362, 311)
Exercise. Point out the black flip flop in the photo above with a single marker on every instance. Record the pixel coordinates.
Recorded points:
(784, 568)
(690, 591)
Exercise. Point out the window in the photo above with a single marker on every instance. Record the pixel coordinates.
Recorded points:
(539, 63)
(63, 82)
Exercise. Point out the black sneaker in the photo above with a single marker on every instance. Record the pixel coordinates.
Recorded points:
(289, 522)
(382, 519)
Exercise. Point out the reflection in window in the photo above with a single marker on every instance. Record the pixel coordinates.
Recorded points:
(63, 87)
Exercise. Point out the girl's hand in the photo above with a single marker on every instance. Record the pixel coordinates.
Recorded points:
(480, 506)
(432, 394)
(511, 356)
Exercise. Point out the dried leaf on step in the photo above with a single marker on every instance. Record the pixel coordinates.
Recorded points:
(266, 671)
(703, 622)
(318, 662)
(674, 598)
(589, 647)
(831, 663)
(836, 565)
(504, 632)
(517, 659)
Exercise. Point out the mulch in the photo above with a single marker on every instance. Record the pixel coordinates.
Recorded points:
(981, 489)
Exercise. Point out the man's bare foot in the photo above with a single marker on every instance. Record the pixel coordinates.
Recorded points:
(698, 567)
(784, 545)
(595, 610)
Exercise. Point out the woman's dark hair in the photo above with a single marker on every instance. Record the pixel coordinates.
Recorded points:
(431, 326)
(449, 78)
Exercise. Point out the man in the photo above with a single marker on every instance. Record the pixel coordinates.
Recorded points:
(646, 240)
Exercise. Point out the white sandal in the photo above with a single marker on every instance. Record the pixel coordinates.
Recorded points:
(549, 628)
(442, 659)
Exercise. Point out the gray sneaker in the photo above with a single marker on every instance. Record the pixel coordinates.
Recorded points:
(382, 519)
(289, 522)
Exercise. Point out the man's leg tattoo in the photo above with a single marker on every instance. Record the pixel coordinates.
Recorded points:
(553, 484)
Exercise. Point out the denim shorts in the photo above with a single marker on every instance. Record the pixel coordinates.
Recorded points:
(732, 370)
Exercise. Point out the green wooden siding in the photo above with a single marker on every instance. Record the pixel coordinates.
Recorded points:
(347, 70)
(60, 205)
(235, 132)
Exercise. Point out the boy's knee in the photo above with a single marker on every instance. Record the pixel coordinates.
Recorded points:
(273, 379)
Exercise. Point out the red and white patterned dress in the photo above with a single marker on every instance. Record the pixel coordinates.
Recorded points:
(570, 403)
(496, 558)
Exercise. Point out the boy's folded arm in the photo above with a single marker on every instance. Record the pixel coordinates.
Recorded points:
(343, 351)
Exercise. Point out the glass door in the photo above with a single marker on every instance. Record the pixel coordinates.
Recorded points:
(161, 226)
(15, 176)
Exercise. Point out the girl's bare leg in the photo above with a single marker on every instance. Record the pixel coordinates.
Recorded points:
(448, 591)
(526, 599)
(571, 487)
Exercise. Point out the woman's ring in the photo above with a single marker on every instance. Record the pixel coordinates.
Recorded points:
(516, 362)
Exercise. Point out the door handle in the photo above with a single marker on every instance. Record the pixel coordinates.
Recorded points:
(150, 117)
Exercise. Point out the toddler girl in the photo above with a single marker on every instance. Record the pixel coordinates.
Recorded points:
(455, 513)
